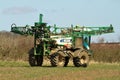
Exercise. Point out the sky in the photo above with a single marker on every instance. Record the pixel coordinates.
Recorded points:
(63, 13)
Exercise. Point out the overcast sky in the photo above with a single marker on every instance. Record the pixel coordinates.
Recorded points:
(63, 13)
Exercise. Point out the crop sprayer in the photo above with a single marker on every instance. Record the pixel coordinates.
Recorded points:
(60, 44)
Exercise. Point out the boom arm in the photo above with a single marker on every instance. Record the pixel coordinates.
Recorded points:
(93, 30)
(54, 30)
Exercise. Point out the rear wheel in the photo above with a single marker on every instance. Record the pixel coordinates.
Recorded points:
(59, 60)
(32, 60)
(35, 60)
(82, 59)
(39, 60)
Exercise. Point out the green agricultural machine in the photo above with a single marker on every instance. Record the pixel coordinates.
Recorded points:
(60, 44)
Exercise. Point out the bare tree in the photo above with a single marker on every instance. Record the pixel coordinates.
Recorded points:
(101, 40)
(119, 38)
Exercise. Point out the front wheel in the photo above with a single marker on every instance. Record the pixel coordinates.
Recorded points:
(82, 59)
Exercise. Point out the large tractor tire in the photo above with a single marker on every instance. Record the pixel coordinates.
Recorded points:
(35, 60)
(57, 59)
(32, 60)
(82, 58)
(39, 60)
